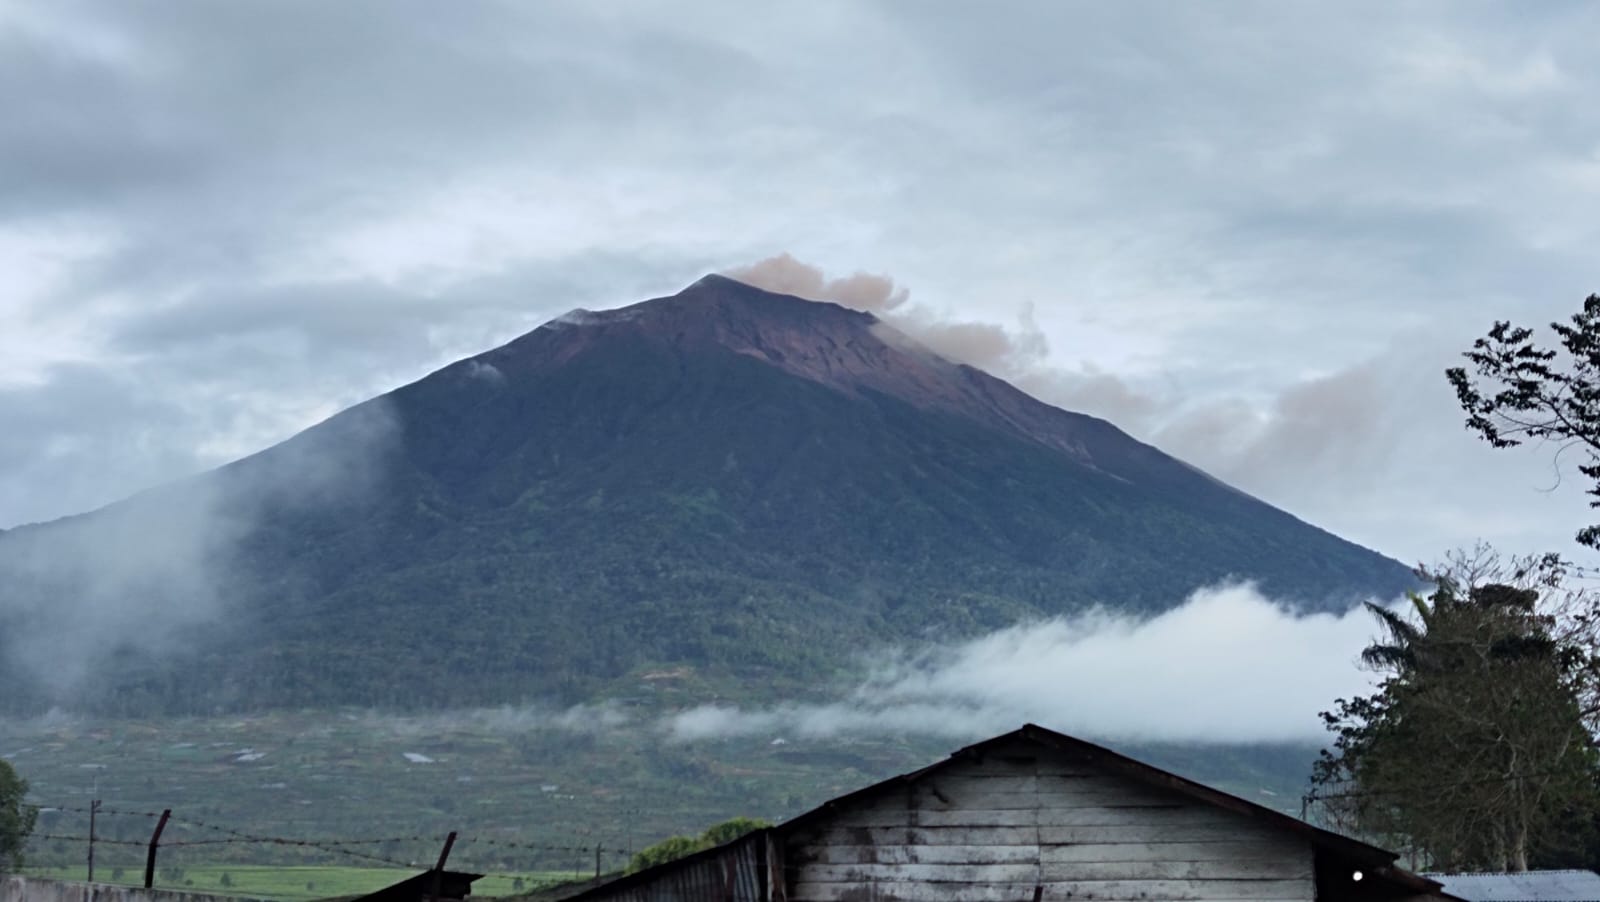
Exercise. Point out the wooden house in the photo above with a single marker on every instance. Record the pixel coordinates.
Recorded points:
(1029, 816)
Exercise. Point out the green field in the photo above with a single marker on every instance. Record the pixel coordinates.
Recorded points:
(298, 882)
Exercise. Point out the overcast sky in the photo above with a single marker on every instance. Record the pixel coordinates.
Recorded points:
(1252, 233)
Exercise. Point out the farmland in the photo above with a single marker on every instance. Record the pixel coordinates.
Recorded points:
(355, 798)
(526, 791)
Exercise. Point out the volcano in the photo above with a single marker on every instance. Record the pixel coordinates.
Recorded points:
(724, 491)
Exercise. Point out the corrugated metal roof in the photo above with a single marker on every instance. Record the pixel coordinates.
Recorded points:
(1528, 886)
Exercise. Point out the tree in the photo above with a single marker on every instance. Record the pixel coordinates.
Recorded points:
(1476, 751)
(731, 829)
(16, 818)
(670, 849)
(674, 847)
(1527, 391)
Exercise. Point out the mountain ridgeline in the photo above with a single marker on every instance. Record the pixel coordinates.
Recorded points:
(741, 489)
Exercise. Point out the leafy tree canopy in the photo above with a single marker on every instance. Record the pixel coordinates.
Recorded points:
(674, 847)
(1476, 751)
(16, 817)
(1521, 390)
(731, 829)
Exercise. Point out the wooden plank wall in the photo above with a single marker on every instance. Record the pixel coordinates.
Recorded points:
(1026, 826)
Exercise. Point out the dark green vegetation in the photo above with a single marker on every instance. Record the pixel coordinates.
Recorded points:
(675, 847)
(16, 817)
(745, 488)
(528, 795)
(1479, 748)
(1476, 751)
(1525, 390)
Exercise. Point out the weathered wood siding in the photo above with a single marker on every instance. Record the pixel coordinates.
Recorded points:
(1026, 826)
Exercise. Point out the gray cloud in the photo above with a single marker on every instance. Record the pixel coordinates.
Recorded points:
(57, 447)
(221, 223)
(232, 367)
(1339, 423)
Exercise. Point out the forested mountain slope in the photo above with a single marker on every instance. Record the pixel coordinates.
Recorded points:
(745, 487)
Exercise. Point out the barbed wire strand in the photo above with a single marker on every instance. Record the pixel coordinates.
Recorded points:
(332, 846)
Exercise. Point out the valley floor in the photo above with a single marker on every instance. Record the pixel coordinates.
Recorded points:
(355, 798)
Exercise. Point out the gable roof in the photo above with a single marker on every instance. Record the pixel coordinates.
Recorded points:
(1528, 886)
(1380, 862)
(1358, 855)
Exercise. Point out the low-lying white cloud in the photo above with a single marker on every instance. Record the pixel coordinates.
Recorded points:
(504, 719)
(1229, 665)
(88, 596)
(135, 577)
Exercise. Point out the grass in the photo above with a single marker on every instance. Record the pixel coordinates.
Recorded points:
(295, 883)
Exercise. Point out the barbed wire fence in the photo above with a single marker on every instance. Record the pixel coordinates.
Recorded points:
(199, 855)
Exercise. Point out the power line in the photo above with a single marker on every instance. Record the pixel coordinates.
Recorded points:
(284, 840)
(102, 810)
(537, 847)
(333, 846)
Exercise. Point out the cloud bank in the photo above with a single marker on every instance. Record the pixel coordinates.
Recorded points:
(1229, 665)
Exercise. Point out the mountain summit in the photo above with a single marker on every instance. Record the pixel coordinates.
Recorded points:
(737, 488)
(847, 350)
